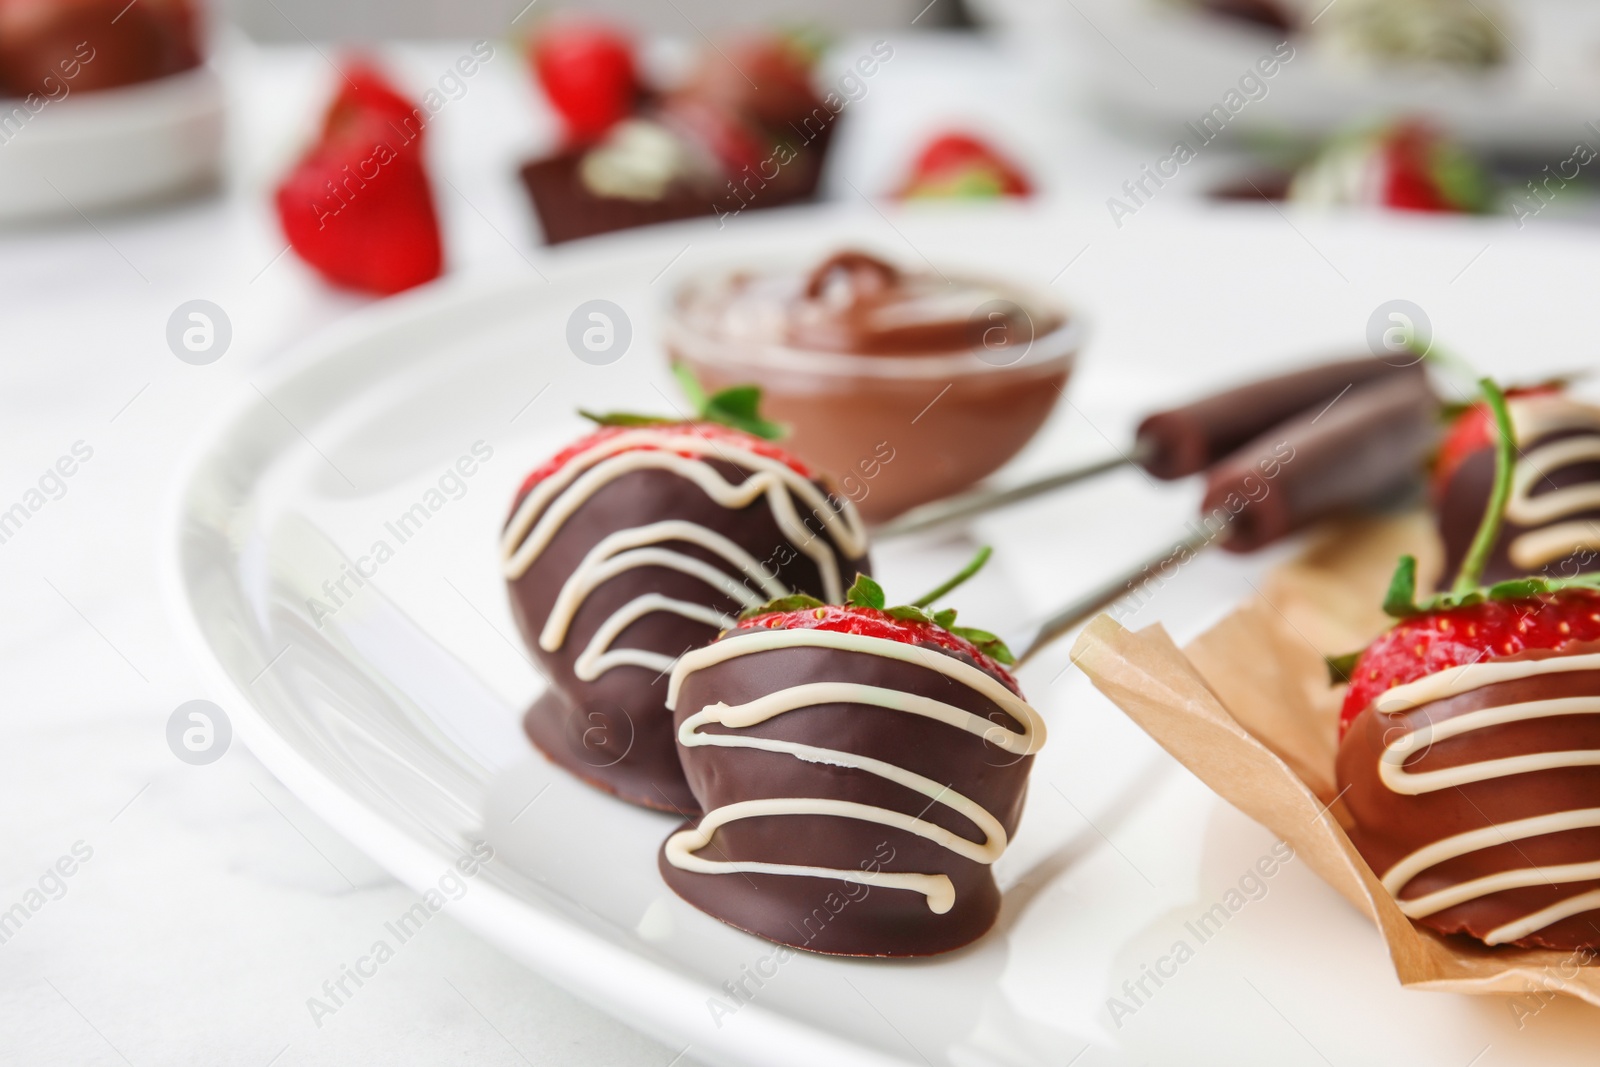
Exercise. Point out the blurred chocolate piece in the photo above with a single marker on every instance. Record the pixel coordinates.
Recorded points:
(1267, 14)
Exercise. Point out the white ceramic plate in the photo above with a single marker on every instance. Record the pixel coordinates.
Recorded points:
(92, 151)
(396, 716)
(1161, 63)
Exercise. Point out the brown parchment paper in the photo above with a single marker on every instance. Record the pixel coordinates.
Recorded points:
(1247, 708)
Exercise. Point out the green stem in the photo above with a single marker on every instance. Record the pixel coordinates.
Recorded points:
(691, 388)
(962, 575)
(1477, 558)
(1444, 359)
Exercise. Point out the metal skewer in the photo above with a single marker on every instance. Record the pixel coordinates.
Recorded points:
(966, 505)
(1047, 630)
(1179, 441)
(1322, 461)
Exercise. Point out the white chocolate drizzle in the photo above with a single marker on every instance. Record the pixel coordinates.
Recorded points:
(682, 847)
(1550, 538)
(554, 500)
(1393, 774)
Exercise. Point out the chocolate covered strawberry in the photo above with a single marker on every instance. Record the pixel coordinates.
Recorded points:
(639, 543)
(1472, 431)
(1405, 166)
(962, 166)
(1551, 523)
(1445, 638)
(860, 768)
(358, 206)
(766, 77)
(1469, 759)
(865, 613)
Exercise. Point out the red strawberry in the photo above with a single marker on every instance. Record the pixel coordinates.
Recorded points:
(588, 72)
(735, 143)
(358, 208)
(1472, 431)
(1424, 172)
(364, 89)
(1437, 641)
(1408, 179)
(765, 77)
(712, 431)
(876, 622)
(958, 165)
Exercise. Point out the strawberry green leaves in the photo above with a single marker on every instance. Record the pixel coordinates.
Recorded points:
(1401, 599)
(738, 407)
(797, 602)
(625, 418)
(867, 594)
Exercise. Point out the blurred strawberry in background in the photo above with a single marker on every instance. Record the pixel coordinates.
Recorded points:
(364, 89)
(587, 70)
(960, 166)
(1406, 165)
(765, 76)
(357, 206)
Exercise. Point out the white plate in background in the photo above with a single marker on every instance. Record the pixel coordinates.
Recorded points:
(92, 151)
(397, 719)
(1161, 64)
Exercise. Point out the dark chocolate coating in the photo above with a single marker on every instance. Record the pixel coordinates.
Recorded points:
(1390, 826)
(567, 210)
(1186, 440)
(615, 732)
(831, 915)
(1461, 503)
(1266, 14)
(1367, 446)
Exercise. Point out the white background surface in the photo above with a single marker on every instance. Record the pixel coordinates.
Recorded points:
(215, 904)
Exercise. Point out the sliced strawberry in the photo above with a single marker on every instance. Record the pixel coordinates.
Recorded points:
(871, 622)
(365, 89)
(711, 431)
(358, 208)
(1472, 431)
(588, 72)
(957, 164)
(1437, 641)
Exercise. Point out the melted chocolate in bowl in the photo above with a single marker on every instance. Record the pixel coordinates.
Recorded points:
(84, 45)
(907, 387)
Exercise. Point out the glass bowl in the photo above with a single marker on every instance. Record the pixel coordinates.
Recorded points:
(898, 429)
